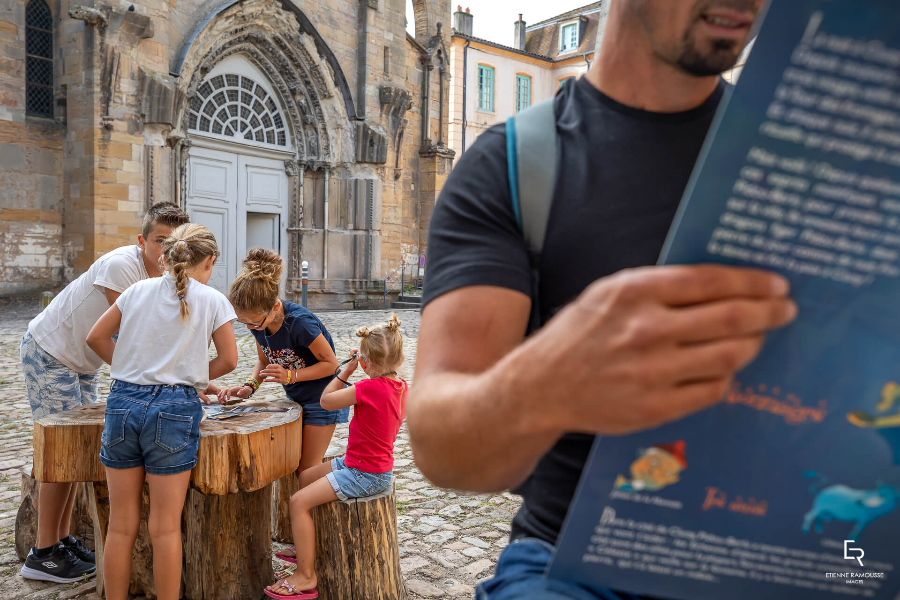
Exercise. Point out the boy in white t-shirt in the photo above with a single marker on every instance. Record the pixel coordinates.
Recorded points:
(62, 372)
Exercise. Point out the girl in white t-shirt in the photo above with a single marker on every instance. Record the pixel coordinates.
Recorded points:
(160, 366)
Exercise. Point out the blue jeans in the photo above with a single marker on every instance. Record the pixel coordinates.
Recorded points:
(314, 414)
(152, 426)
(348, 482)
(519, 574)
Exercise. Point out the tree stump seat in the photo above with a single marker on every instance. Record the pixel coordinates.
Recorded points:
(357, 553)
(226, 524)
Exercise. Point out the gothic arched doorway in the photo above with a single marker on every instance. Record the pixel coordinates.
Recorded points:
(236, 180)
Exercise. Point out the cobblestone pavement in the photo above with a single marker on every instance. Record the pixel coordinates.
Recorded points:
(448, 540)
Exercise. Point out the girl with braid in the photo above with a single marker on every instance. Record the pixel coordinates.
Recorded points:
(160, 366)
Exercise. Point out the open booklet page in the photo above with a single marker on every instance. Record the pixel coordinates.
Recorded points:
(790, 488)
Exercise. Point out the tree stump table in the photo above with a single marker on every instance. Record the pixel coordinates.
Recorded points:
(227, 520)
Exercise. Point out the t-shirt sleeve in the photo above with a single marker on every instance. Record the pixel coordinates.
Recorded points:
(474, 238)
(117, 273)
(122, 300)
(304, 331)
(363, 388)
(223, 311)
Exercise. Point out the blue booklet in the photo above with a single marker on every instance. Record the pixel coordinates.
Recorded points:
(789, 489)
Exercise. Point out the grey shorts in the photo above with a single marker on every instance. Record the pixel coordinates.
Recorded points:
(51, 386)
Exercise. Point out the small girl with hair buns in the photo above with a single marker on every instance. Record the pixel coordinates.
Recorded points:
(367, 468)
(160, 366)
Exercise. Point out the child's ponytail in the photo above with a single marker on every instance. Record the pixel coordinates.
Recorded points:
(382, 344)
(188, 246)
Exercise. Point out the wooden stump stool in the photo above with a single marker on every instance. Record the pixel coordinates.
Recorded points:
(357, 554)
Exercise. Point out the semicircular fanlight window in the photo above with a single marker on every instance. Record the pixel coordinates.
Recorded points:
(235, 106)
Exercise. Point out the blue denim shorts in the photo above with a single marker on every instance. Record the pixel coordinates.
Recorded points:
(314, 414)
(51, 386)
(348, 482)
(152, 426)
(520, 574)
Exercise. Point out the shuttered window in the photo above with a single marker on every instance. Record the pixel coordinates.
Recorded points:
(523, 92)
(485, 88)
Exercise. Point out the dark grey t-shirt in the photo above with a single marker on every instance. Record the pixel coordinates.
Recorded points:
(622, 174)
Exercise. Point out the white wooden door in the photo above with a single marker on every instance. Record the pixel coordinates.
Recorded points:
(212, 200)
(263, 204)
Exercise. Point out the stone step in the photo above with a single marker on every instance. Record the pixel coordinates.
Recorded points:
(406, 305)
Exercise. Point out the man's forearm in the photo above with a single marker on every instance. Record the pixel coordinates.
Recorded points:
(470, 431)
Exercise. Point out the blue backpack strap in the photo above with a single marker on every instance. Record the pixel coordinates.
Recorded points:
(532, 156)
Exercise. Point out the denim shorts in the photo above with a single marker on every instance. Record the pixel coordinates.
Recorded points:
(152, 426)
(314, 414)
(520, 574)
(348, 482)
(51, 386)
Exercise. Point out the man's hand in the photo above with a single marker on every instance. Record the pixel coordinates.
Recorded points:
(649, 346)
(637, 349)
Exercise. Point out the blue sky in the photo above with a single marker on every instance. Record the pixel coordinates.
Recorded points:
(494, 18)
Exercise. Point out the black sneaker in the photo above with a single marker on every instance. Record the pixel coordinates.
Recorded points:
(60, 566)
(79, 549)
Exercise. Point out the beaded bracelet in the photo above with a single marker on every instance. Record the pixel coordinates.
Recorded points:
(253, 384)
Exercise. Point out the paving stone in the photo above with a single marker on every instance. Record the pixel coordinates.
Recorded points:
(448, 558)
(491, 534)
(473, 552)
(457, 545)
(472, 504)
(450, 527)
(477, 567)
(434, 520)
(423, 529)
(411, 563)
(439, 537)
(420, 512)
(502, 526)
(476, 542)
(402, 537)
(432, 504)
(454, 510)
(502, 543)
(474, 522)
(424, 589)
(433, 493)
(403, 462)
(416, 485)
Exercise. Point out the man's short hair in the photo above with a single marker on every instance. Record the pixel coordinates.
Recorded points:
(164, 213)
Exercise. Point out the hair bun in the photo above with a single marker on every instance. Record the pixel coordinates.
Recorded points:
(394, 323)
(265, 264)
(363, 332)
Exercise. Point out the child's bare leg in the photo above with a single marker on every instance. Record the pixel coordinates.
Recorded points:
(316, 493)
(307, 477)
(315, 442)
(167, 493)
(125, 488)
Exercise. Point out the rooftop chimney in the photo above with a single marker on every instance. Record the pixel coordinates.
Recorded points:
(462, 21)
(519, 38)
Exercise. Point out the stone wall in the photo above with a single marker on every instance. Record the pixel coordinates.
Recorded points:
(31, 151)
(75, 187)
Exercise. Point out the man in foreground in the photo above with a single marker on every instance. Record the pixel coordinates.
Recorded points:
(624, 346)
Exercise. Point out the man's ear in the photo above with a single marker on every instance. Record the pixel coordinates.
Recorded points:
(141, 241)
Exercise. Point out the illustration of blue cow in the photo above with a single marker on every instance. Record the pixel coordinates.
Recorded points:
(842, 503)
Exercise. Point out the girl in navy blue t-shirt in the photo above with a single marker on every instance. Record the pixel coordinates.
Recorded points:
(294, 349)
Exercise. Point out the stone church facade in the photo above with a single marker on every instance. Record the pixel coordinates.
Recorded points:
(315, 127)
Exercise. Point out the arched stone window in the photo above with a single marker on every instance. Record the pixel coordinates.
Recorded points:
(38, 59)
(235, 106)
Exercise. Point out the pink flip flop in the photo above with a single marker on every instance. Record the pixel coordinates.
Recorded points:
(290, 559)
(305, 595)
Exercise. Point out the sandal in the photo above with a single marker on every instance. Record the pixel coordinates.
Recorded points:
(305, 595)
(281, 556)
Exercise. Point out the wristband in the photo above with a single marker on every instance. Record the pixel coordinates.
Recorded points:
(289, 377)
